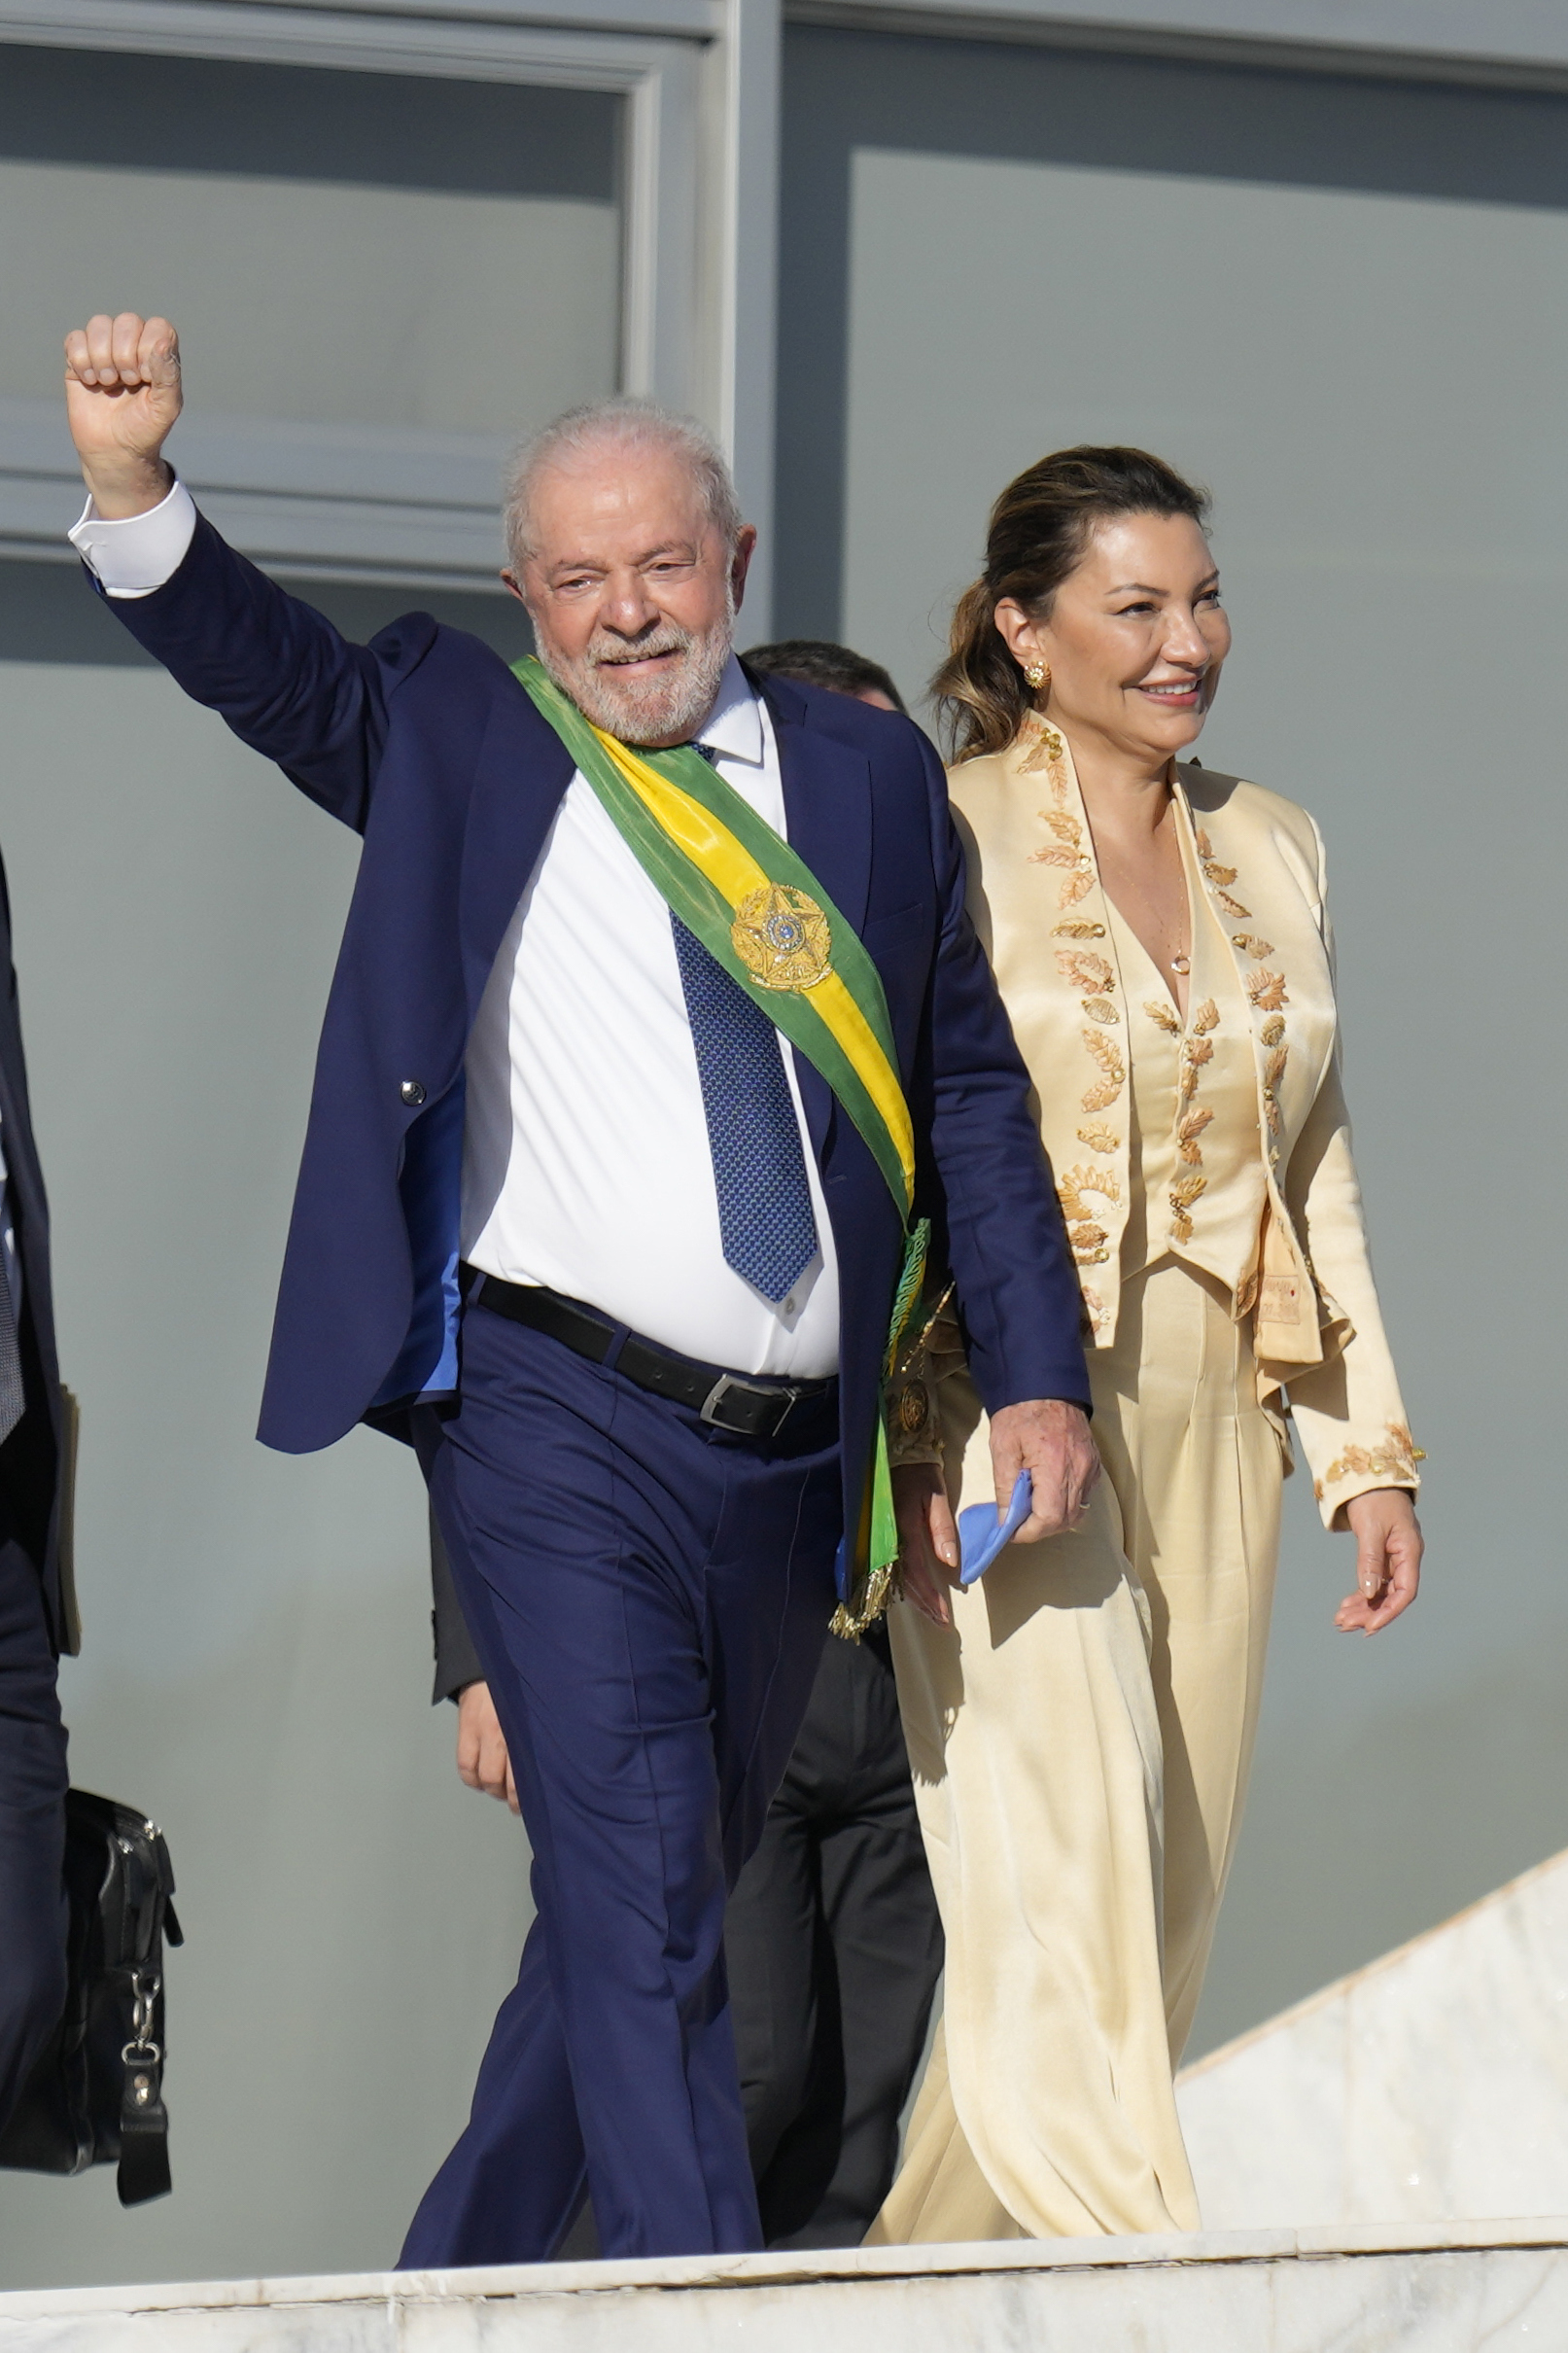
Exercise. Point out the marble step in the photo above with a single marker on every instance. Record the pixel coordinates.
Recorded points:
(1432, 2082)
(1451, 2289)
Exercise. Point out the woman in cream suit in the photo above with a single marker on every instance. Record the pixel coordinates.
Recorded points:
(1081, 1721)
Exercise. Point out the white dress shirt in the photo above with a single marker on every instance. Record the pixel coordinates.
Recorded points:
(586, 1161)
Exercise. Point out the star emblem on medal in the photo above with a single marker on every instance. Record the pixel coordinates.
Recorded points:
(783, 937)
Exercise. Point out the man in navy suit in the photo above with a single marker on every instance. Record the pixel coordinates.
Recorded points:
(571, 1221)
(35, 1608)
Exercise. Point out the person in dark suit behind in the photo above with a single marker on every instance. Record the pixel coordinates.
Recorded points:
(36, 1611)
(832, 1938)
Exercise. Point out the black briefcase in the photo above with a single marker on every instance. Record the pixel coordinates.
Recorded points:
(96, 2096)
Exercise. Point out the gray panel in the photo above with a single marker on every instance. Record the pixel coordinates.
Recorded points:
(846, 92)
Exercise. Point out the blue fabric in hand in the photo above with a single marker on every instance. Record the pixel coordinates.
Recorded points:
(983, 1532)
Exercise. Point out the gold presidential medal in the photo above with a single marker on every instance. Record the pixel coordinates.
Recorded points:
(782, 936)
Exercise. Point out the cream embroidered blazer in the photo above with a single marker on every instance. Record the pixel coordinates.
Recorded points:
(1256, 1184)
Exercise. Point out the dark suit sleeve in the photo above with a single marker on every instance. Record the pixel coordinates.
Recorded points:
(275, 669)
(457, 1661)
(1017, 1288)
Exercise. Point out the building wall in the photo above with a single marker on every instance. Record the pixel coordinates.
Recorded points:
(1341, 304)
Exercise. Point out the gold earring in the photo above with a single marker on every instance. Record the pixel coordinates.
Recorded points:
(1037, 675)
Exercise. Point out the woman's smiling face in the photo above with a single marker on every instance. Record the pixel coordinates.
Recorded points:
(1134, 636)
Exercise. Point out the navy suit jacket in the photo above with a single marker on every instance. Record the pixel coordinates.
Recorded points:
(426, 745)
(32, 1459)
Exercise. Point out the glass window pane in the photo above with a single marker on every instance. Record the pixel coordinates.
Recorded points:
(372, 250)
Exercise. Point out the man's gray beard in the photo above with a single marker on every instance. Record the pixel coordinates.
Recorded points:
(672, 706)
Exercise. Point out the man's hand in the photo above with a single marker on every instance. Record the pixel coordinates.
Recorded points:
(1051, 1441)
(122, 398)
(483, 1761)
(1388, 1559)
(928, 1539)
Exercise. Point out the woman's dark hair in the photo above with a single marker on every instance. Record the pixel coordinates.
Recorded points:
(1038, 531)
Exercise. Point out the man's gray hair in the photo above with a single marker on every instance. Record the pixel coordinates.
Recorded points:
(626, 423)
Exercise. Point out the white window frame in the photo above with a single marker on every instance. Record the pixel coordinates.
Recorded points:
(698, 237)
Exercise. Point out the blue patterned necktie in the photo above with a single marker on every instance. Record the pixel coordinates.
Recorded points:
(765, 1216)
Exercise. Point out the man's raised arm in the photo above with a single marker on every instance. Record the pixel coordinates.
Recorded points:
(273, 668)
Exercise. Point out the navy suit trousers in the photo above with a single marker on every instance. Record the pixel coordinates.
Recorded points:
(648, 1597)
(32, 1824)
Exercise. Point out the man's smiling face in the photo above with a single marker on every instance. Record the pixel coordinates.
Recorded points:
(631, 589)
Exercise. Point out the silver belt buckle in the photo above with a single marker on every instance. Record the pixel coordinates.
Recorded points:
(706, 1412)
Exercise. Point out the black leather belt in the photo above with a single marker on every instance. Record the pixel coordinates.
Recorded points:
(730, 1401)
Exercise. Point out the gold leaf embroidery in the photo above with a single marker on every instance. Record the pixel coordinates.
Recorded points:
(1086, 1237)
(1186, 1189)
(1188, 1132)
(1046, 753)
(1077, 931)
(1095, 1180)
(1231, 906)
(1064, 827)
(1039, 753)
(1053, 856)
(1273, 1030)
(1100, 1137)
(1101, 1009)
(1217, 874)
(1267, 990)
(1252, 945)
(1273, 1070)
(1077, 886)
(1166, 1015)
(1091, 974)
(1107, 1056)
(1181, 1225)
(1195, 1052)
(1206, 1018)
(1395, 1460)
(1206, 848)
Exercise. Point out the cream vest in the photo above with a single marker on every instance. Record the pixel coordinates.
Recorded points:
(1255, 1053)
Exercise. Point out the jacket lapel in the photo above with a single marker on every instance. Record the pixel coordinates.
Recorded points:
(523, 772)
(827, 817)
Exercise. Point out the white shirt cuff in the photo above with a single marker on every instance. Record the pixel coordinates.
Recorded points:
(138, 554)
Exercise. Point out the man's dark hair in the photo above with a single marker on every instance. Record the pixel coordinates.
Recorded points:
(815, 663)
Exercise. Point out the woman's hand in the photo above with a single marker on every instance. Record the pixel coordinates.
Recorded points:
(1388, 1559)
(928, 1539)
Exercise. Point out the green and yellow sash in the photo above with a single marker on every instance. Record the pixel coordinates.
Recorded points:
(762, 915)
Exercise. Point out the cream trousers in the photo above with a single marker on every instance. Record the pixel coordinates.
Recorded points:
(1081, 1741)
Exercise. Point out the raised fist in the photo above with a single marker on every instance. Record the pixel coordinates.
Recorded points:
(122, 398)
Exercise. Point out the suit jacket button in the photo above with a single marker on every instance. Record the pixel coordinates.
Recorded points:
(411, 1091)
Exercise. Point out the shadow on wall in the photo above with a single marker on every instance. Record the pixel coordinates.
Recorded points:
(48, 613)
(1387, 1827)
(849, 91)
